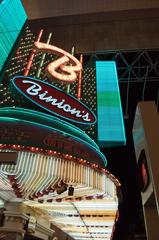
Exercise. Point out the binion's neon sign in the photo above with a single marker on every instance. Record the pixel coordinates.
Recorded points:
(53, 99)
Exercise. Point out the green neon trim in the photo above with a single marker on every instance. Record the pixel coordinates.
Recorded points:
(12, 120)
(45, 119)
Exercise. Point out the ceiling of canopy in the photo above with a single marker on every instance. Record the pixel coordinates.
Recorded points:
(44, 9)
(80, 200)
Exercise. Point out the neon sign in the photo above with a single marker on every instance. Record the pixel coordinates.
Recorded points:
(53, 100)
(20, 132)
(64, 68)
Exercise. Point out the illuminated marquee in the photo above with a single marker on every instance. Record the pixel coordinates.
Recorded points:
(64, 68)
(53, 100)
(16, 131)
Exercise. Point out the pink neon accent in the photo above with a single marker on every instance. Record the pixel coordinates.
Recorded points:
(59, 68)
(79, 90)
(27, 69)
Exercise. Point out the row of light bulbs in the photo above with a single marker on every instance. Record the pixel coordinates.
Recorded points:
(61, 155)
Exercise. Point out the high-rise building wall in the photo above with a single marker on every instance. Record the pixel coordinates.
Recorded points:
(12, 19)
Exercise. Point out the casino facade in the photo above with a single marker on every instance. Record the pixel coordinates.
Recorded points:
(74, 81)
(53, 176)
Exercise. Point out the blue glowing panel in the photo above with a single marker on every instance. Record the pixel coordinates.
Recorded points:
(111, 131)
(12, 19)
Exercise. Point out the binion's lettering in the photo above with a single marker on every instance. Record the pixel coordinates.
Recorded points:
(36, 90)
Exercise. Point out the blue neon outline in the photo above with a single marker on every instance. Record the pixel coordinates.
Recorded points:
(99, 153)
(13, 79)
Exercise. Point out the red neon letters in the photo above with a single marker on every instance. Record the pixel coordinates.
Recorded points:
(64, 68)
